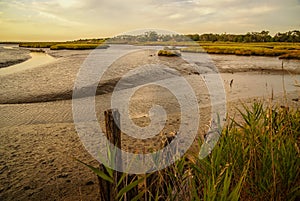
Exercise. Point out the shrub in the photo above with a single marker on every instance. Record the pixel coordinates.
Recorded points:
(169, 53)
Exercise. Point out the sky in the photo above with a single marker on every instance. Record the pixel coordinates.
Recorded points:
(60, 20)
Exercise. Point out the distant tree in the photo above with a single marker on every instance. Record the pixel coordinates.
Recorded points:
(179, 38)
(281, 37)
(265, 37)
(296, 36)
(208, 37)
(151, 36)
(165, 37)
(194, 37)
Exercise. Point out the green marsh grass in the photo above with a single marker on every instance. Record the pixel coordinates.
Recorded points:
(256, 158)
(71, 45)
(283, 50)
(169, 53)
(80, 46)
(38, 44)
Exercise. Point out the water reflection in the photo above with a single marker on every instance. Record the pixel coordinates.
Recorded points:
(36, 60)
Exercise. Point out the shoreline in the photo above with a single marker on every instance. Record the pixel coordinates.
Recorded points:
(12, 56)
(36, 59)
(12, 62)
(108, 88)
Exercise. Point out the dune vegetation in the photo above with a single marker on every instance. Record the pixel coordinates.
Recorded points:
(256, 158)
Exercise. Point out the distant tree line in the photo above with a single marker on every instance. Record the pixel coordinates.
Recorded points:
(263, 36)
(150, 36)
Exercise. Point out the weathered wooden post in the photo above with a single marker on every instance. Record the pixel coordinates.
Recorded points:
(109, 191)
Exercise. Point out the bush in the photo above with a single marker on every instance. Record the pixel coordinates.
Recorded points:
(169, 53)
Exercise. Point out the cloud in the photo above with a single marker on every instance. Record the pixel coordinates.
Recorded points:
(92, 18)
(34, 12)
(175, 16)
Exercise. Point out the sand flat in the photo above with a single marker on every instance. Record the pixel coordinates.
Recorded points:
(39, 140)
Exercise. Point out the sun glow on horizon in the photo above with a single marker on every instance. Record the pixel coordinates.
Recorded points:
(60, 20)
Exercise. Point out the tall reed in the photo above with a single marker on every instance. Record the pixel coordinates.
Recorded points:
(256, 158)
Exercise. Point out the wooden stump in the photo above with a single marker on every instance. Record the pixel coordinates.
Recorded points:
(109, 191)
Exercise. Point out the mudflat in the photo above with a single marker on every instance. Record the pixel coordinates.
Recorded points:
(38, 137)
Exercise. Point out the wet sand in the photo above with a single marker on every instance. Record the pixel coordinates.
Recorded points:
(36, 60)
(12, 54)
(39, 141)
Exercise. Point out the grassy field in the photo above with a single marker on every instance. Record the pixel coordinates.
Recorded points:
(255, 159)
(38, 44)
(72, 45)
(282, 50)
